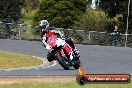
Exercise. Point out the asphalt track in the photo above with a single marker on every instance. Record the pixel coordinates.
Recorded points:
(95, 59)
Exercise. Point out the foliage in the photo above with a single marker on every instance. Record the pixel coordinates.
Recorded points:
(60, 13)
(114, 7)
(31, 4)
(10, 10)
(28, 15)
(92, 20)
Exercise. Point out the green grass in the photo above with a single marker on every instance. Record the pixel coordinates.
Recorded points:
(64, 85)
(12, 60)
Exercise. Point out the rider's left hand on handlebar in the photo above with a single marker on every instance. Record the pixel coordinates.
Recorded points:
(48, 47)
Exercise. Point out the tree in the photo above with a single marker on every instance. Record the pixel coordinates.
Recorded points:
(31, 3)
(114, 7)
(10, 10)
(92, 20)
(60, 13)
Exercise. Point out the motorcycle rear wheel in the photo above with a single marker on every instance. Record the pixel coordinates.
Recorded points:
(77, 64)
(62, 62)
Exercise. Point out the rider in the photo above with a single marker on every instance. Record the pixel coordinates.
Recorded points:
(47, 31)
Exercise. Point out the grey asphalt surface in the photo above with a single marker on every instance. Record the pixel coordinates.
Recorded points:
(95, 59)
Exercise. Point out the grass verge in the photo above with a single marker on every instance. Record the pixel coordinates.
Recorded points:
(12, 60)
(64, 85)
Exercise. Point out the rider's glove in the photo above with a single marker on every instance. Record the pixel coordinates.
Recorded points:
(48, 47)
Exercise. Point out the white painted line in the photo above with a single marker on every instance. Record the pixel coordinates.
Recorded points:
(53, 63)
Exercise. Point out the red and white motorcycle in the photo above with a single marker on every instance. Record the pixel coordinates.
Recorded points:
(63, 53)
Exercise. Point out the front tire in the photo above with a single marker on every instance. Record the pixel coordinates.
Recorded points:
(50, 57)
(61, 61)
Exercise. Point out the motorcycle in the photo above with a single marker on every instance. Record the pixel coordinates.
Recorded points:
(61, 51)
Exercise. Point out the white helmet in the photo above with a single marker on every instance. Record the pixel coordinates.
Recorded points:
(44, 24)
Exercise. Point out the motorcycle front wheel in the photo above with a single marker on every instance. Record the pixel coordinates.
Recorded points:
(62, 61)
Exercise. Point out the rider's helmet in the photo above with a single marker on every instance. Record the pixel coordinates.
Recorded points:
(43, 24)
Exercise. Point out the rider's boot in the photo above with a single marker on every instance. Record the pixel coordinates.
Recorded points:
(75, 50)
(74, 57)
(71, 59)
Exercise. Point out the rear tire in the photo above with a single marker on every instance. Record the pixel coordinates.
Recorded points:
(77, 63)
(62, 62)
